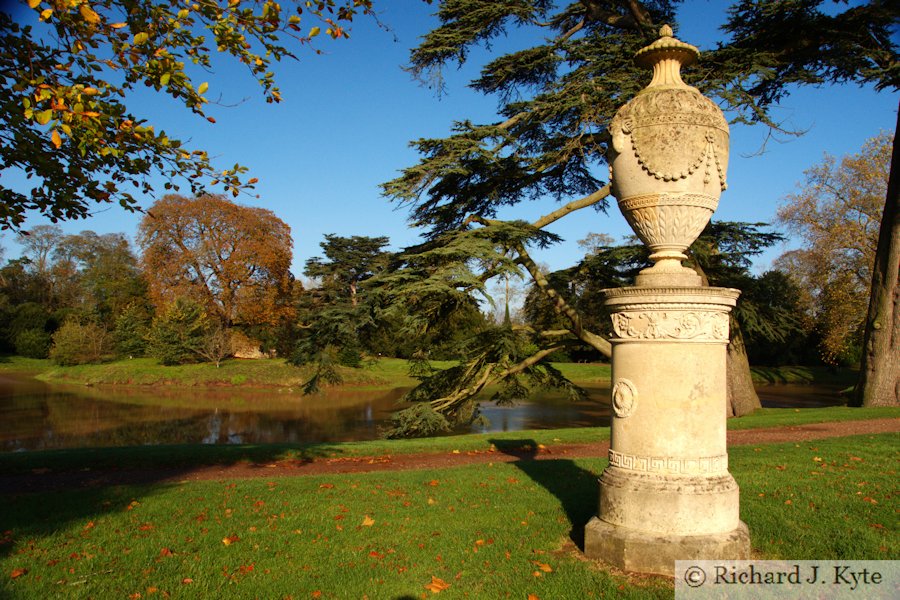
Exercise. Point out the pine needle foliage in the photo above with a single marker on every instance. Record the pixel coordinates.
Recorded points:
(556, 99)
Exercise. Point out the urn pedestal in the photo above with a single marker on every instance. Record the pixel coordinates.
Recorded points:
(667, 494)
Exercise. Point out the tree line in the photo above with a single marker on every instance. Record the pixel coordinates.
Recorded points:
(211, 278)
(66, 72)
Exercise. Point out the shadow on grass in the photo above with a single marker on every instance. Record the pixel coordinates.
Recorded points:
(45, 492)
(575, 488)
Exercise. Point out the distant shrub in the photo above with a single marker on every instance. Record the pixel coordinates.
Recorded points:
(349, 356)
(33, 343)
(78, 344)
(132, 327)
(177, 335)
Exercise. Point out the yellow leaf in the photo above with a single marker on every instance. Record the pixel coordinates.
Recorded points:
(203, 87)
(314, 32)
(368, 521)
(437, 585)
(44, 116)
(88, 14)
(45, 14)
(140, 38)
(118, 25)
(34, 3)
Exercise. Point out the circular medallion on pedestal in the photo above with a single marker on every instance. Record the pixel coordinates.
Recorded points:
(624, 398)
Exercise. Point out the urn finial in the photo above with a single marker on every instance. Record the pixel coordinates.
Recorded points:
(668, 158)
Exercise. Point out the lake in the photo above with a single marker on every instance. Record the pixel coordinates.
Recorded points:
(36, 416)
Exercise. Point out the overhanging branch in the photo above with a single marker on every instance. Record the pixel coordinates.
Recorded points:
(572, 206)
(592, 339)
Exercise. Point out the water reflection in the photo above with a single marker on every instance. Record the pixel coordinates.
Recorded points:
(34, 415)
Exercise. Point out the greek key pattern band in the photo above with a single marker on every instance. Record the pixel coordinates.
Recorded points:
(678, 466)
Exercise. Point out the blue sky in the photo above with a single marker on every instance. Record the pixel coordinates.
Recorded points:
(349, 113)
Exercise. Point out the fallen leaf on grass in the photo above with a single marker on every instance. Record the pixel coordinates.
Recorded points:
(187, 580)
(326, 486)
(368, 521)
(166, 552)
(533, 597)
(437, 585)
(16, 573)
(543, 566)
(230, 540)
(316, 594)
(433, 483)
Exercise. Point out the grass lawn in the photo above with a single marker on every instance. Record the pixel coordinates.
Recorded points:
(485, 531)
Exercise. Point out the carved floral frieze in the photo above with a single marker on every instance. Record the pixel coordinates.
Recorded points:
(697, 325)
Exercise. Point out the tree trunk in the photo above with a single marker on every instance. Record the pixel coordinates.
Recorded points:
(879, 373)
(742, 398)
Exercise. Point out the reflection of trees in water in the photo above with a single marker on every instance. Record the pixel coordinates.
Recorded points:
(38, 416)
(35, 416)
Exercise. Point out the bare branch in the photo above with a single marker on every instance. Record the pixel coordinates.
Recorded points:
(572, 206)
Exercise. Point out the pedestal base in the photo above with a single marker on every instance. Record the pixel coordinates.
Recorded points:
(644, 552)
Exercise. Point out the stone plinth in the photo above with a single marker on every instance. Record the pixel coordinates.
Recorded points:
(667, 493)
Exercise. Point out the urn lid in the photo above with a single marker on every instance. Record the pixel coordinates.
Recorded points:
(666, 46)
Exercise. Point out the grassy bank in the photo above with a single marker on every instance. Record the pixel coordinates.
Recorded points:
(380, 373)
(182, 456)
(146, 372)
(487, 531)
(804, 375)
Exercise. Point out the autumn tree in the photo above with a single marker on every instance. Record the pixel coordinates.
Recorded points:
(67, 70)
(233, 260)
(837, 214)
(556, 99)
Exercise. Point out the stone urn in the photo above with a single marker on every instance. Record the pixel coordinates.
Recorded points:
(667, 160)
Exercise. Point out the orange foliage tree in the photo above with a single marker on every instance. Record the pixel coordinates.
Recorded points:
(234, 260)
